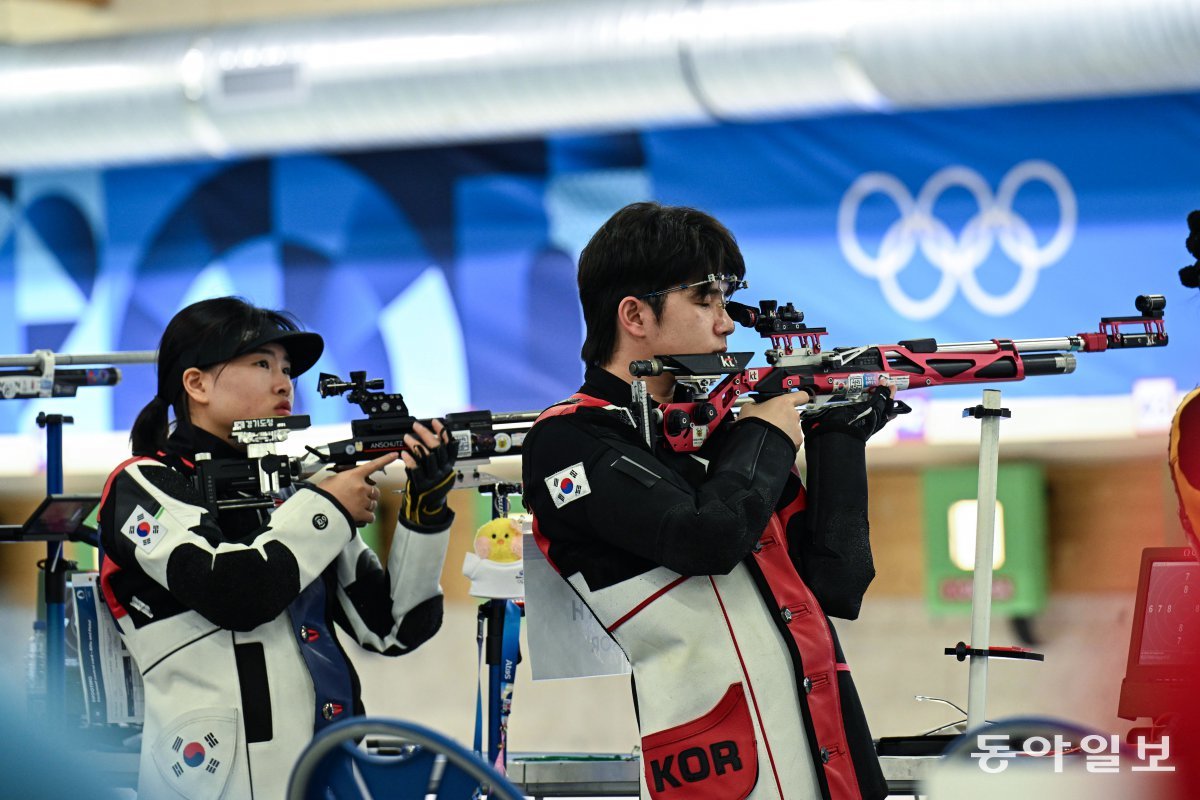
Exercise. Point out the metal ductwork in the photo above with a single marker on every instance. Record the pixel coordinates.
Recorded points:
(463, 74)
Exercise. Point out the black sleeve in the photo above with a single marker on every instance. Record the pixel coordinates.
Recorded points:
(393, 609)
(830, 542)
(151, 522)
(638, 504)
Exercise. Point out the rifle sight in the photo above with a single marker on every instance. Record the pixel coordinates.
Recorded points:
(361, 391)
(1150, 304)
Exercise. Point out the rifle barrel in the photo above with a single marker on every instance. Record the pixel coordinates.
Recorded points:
(127, 357)
(513, 417)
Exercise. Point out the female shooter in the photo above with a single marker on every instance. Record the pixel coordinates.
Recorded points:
(229, 614)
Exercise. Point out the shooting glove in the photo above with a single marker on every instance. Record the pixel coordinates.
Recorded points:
(860, 420)
(424, 505)
(833, 552)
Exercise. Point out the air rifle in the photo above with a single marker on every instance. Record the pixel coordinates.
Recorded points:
(709, 385)
(480, 435)
(252, 480)
(39, 375)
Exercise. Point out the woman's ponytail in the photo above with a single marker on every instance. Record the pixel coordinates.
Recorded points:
(150, 431)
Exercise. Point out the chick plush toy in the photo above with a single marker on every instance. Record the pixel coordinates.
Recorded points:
(499, 540)
(496, 568)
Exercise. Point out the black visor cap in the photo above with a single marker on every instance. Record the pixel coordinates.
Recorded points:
(303, 349)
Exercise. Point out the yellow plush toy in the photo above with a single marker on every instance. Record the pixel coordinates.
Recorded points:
(499, 541)
(496, 568)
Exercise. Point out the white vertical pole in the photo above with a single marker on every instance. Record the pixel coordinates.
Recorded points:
(985, 531)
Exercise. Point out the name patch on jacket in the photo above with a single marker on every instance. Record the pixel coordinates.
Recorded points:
(568, 485)
(143, 529)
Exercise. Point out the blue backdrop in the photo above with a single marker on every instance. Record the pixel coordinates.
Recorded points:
(450, 271)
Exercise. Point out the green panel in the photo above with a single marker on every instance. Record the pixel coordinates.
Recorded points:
(1019, 584)
(84, 555)
(372, 535)
(484, 505)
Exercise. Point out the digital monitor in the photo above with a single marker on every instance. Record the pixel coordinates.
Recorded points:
(1164, 644)
(60, 517)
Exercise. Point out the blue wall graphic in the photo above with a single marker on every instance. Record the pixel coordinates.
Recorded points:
(451, 271)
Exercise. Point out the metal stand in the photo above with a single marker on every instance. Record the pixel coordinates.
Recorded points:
(979, 651)
(499, 628)
(54, 576)
(985, 539)
(40, 375)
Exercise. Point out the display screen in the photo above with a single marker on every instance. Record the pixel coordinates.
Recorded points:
(1171, 622)
(60, 516)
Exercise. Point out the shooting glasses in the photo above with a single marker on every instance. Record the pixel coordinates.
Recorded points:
(725, 284)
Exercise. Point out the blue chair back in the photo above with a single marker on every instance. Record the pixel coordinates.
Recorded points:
(415, 762)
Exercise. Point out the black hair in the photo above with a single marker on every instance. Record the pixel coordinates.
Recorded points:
(199, 329)
(1189, 276)
(643, 248)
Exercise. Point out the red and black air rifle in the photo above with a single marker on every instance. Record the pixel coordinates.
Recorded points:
(709, 385)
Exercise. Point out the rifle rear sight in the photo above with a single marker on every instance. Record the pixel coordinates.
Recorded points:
(783, 325)
(359, 390)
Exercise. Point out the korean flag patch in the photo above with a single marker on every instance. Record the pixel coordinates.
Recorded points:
(568, 485)
(143, 529)
(196, 752)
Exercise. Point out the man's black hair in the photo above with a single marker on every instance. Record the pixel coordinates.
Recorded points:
(643, 248)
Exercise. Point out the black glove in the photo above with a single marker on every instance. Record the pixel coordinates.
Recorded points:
(860, 420)
(429, 482)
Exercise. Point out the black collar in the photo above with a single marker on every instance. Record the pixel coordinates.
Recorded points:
(599, 382)
(186, 442)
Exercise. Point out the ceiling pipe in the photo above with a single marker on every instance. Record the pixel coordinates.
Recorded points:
(469, 74)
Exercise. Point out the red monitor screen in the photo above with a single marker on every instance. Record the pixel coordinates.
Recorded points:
(1164, 645)
(1171, 625)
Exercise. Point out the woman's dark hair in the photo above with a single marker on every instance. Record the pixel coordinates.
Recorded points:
(204, 334)
(642, 248)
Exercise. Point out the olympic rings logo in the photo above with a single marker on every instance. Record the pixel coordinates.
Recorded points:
(959, 257)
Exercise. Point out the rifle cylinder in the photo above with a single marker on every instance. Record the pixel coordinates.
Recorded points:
(1020, 345)
(1049, 363)
(101, 376)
